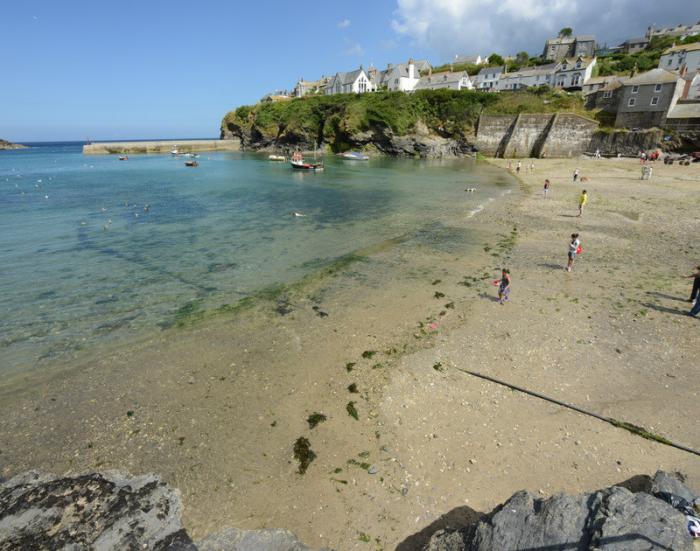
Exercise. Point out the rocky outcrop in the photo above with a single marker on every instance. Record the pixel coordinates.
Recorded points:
(111, 511)
(420, 143)
(7, 145)
(613, 519)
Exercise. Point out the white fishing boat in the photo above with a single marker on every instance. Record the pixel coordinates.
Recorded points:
(277, 157)
(174, 151)
(354, 156)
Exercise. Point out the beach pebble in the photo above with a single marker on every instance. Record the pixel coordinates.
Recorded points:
(373, 470)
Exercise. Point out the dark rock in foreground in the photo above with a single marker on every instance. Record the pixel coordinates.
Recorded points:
(111, 511)
(613, 519)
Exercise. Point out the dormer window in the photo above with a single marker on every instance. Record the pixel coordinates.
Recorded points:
(657, 88)
(635, 89)
(563, 67)
(578, 65)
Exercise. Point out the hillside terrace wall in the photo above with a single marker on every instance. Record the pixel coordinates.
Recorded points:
(535, 135)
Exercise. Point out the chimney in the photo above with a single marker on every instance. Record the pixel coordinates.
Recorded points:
(684, 70)
(389, 66)
(411, 69)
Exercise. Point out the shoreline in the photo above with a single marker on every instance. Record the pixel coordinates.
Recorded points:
(436, 437)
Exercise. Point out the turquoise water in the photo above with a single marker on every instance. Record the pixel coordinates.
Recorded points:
(94, 249)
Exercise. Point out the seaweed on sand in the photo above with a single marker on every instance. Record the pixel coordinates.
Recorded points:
(368, 354)
(349, 366)
(353, 388)
(352, 411)
(315, 418)
(303, 453)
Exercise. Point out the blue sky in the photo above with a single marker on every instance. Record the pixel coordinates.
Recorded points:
(151, 69)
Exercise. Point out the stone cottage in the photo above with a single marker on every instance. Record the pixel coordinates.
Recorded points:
(647, 98)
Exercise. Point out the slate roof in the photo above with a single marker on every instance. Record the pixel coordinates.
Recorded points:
(489, 70)
(683, 48)
(655, 76)
(445, 77)
(685, 111)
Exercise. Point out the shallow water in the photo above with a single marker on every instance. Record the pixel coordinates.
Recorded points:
(95, 249)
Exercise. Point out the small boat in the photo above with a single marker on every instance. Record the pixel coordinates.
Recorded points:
(191, 163)
(354, 156)
(277, 158)
(124, 158)
(299, 163)
(174, 151)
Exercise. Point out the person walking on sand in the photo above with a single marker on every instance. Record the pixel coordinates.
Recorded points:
(504, 286)
(582, 200)
(696, 284)
(576, 173)
(546, 188)
(574, 249)
(518, 167)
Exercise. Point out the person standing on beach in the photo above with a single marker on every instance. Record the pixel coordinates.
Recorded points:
(582, 200)
(504, 286)
(574, 249)
(696, 284)
(546, 188)
(517, 167)
(576, 173)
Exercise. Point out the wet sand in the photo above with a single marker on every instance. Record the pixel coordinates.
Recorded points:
(216, 406)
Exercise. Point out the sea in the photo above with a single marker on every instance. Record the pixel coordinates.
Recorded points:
(94, 250)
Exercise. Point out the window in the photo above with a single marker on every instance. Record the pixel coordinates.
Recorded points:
(670, 61)
(578, 65)
(635, 89)
(657, 88)
(632, 102)
(655, 100)
(563, 67)
(607, 94)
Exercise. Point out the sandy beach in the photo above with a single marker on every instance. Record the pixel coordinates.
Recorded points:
(216, 407)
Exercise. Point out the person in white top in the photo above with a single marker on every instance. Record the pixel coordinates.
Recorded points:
(574, 249)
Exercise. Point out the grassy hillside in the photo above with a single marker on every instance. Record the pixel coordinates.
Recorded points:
(337, 119)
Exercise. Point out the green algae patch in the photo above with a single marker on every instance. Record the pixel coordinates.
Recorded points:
(640, 431)
(349, 366)
(368, 354)
(352, 411)
(438, 294)
(353, 388)
(437, 366)
(303, 453)
(315, 418)
(361, 464)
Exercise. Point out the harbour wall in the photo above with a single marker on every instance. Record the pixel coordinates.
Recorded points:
(183, 146)
(535, 135)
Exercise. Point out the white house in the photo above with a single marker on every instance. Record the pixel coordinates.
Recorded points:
(471, 59)
(487, 78)
(527, 77)
(574, 72)
(453, 80)
(305, 87)
(676, 57)
(354, 82)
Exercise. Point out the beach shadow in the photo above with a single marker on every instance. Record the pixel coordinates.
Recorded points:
(489, 297)
(460, 518)
(569, 216)
(551, 266)
(665, 310)
(662, 295)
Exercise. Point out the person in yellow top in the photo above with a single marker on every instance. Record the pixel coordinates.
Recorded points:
(582, 200)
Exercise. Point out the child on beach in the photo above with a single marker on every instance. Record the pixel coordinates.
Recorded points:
(582, 200)
(574, 249)
(696, 284)
(576, 173)
(504, 286)
(546, 188)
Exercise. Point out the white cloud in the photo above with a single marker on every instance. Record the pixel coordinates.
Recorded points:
(506, 26)
(355, 49)
(344, 24)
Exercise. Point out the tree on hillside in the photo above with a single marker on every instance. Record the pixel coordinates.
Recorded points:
(566, 31)
(495, 59)
(522, 58)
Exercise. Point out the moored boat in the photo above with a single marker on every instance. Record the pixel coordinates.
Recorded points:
(277, 158)
(299, 163)
(355, 156)
(191, 163)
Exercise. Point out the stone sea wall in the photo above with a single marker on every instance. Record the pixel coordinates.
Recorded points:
(534, 135)
(183, 146)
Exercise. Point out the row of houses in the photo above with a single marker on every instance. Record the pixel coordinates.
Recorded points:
(666, 97)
